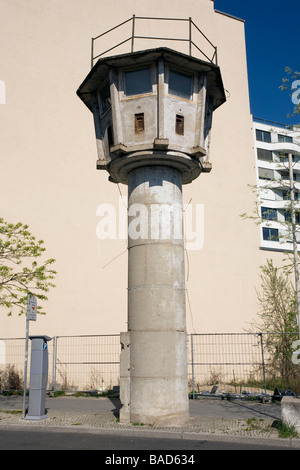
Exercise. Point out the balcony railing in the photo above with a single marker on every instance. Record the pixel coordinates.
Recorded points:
(187, 38)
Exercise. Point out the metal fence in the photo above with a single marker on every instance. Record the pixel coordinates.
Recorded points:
(236, 362)
(86, 362)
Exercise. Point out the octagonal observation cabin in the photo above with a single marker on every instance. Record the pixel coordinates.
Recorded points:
(153, 107)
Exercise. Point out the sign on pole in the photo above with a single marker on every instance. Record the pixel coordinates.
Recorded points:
(31, 308)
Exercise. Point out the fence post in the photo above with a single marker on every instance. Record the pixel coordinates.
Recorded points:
(193, 372)
(190, 35)
(54, 363)
(133, 33)
(263, 360)
(92, 52)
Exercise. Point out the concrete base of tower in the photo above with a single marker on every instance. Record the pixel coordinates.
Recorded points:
(154, 384)
(150, 391)
(157, 402)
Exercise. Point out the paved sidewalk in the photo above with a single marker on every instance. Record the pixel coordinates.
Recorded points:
(208, 417)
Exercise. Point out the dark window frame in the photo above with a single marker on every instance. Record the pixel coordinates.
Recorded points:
(285, 138)
(140, 85)
(263, 136)
(179, 124)
(139, 123)
(268, 213)
(104, 96)
(180, 89)
(270, 234)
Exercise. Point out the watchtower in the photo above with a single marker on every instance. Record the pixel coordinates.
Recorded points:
(152, 114)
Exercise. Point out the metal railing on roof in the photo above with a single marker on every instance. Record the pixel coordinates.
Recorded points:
(192, 27)
(290, 127)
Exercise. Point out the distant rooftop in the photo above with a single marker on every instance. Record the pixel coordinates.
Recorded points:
(230, 16)
(276, 124)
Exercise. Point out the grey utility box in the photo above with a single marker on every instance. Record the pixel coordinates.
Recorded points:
(38, 377)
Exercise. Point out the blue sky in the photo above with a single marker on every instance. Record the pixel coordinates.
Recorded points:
(273, 42)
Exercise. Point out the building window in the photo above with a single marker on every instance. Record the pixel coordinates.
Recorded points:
(284, 157)
(265, 155)
(285, 195)
(268, 214)
(285, 175)
(288, 216)
(265, 174)
(180, 84)
(137, 82)
(263, 136)
(105, 97)
(285, 138)
(270, 234)
(179, 125)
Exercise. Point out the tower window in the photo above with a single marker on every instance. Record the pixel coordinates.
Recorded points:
(137, 82)
(110, 135)
(139, 123)
(180, 84)
(179, 125)
(105, 97)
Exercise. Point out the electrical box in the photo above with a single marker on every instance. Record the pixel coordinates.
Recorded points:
(38, 377)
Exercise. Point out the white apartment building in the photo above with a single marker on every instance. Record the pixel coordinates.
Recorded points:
(273, 144)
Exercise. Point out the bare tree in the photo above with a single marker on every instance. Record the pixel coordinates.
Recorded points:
(277, 316)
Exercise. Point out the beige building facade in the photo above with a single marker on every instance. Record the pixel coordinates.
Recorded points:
(50, 182)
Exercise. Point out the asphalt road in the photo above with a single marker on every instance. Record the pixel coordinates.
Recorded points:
(13, 439)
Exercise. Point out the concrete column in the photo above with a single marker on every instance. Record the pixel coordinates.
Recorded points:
(156, 297)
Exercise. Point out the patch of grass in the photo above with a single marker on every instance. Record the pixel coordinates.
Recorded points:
(254, 423)
(285, 431)
(257, 424)
(59, 393)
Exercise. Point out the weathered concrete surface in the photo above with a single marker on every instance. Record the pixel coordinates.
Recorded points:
(156, 298)
(290, 410)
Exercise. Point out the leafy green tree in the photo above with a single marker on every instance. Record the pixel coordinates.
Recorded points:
(20, 273)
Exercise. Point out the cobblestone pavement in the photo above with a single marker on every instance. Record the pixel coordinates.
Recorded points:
(207, 417)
